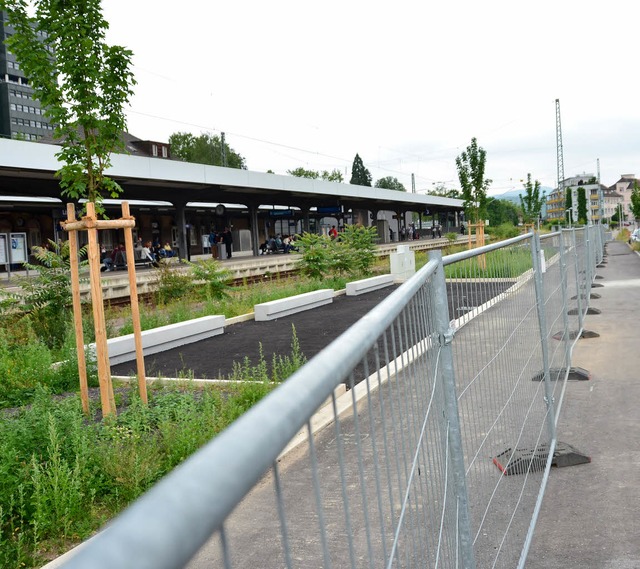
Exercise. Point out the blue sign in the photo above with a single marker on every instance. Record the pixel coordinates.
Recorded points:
(281, 213)
(330, 209)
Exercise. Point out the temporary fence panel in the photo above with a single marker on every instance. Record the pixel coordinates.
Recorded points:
(414, 466)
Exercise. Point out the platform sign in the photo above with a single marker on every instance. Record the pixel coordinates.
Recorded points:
(18, 248)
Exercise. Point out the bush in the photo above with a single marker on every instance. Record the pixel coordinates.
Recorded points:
(171, 284)
(316, 254)
(215, 279)
(504, 231)
(352, 253)
(45, 295)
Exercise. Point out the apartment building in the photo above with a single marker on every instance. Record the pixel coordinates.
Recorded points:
(21, 116)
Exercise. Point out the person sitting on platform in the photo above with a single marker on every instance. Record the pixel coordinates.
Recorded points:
(119, 257)
(168, 251)
(149, 255)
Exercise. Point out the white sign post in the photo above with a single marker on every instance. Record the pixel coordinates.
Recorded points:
(4, 254)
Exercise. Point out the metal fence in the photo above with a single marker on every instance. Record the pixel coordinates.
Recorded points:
(437, 455)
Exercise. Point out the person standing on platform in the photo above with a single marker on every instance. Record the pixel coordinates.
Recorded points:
(333, 232)
(227, 239)
(213, 240)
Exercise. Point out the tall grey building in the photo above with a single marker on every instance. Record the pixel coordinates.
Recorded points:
(20, 115)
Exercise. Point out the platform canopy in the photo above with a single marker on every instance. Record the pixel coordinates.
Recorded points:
(28, 169)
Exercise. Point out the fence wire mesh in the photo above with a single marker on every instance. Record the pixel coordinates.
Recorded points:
(433, 455)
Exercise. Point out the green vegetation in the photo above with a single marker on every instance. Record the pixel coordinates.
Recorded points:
(333, 176)
(390, 183)
(503, 231)
(635, 200)
(502, 212)
(65, 475)
(509, 262)
(531, 203)
(471, 167)
(205, 149)
(360, 176)
(623, 235)
(351, 254)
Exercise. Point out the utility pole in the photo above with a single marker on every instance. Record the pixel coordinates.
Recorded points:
(559, 153)
(413, 184)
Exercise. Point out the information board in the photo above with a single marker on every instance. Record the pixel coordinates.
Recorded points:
(18, 248)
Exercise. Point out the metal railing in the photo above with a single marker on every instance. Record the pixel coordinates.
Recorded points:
(436, 456)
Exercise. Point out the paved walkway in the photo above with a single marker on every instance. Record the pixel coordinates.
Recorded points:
(591, 513)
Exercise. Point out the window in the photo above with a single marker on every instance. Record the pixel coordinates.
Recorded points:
(154, 149)
(165, 152)
(12, 106)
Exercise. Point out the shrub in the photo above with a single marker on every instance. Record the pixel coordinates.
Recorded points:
(316, 254)
(171, 284)
(215, 279)
(504, 231)
(352, 253)
(45, 295)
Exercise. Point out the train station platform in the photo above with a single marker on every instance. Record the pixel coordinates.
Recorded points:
(242, 265)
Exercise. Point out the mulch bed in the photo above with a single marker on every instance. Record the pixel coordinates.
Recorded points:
(214, 357)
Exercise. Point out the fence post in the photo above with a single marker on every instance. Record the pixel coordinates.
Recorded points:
(581, 289)
(588, 265)
(564, 285)
(445, 337)
(536, 251)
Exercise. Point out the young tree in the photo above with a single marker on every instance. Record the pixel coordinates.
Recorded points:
(390, 183)
(205, 149)
(568, 206)
(471, 165)
(360, 176)
(582, 206)
(82, 83)
(635, 200)
(532, 201)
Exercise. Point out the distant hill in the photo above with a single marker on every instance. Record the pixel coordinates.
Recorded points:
(514, 195)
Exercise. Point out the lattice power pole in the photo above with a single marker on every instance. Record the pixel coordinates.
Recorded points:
(560, 155)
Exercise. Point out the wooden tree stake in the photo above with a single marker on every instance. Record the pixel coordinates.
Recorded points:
(77, 311)
(135, 311)
(102, 354)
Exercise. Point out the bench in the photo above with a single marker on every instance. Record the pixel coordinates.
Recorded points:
(367, 285)
(123, 348)
(286, 306)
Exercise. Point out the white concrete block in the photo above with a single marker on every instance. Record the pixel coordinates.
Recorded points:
(367, 285)
(123, 348)
(291, 305)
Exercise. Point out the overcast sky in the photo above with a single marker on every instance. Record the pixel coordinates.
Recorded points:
(406, 84)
